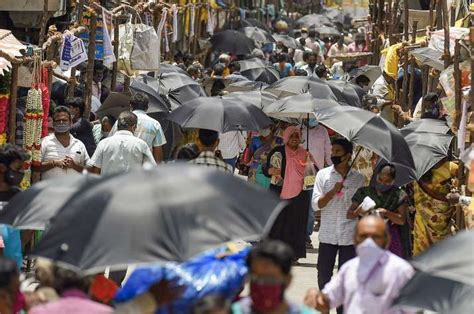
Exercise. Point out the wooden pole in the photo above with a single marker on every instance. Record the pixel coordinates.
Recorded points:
(439, 14)
(391, 15)
(90, 64)
(405, 22)
(431, 16)
(447, 55)
(44, 22)
(13, 102)
(471, 40)
(113, 83)
(405, 104)
(457, 85)
(411, 89)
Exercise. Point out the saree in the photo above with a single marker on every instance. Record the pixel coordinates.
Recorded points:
(433, 215)
(259, 159)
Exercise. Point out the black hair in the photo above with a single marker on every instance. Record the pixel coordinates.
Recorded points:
(126, 120)
(234, 66)
(392, 171)
(139, 101)
(217, 87)
(9, 153)
(60, 109)
(278, 252)
(210, 303)
(313, 33)
(300, 72)
(189, 151)
(362, 79)
(302, 41)
(431, 97)
(321, 70)
(188, 57)
(8, 269)
(65, 279)
(219, 69)
(345, 144)
(76, 102)
(282, 57)
(306, 55)
(208, 137)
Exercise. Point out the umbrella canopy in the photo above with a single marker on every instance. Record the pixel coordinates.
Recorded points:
(219, 114)
(251, 22)
(245, 86)
(298, 106)
(313, 20)
(368, 130)
(328, 31)
(161, 216)
(33, 208)
(445, 277)
(373, 72)
(429, 56)
(114, 104)
(256, 70)
(295, 85)
(257, 34)
(426, 125)
(157, 103)
(170, 68)
(286, 40)
(345, 92)
(232, 41)
(258, 98)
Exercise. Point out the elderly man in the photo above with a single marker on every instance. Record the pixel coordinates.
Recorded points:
(122, 151)
(370, 282)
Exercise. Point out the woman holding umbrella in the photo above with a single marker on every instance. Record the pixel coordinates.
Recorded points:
(286, 166)
(390, 203)
(433, 212)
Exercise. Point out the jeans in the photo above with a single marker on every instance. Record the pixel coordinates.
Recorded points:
(231, 162)
(327, 259)
(310, 227)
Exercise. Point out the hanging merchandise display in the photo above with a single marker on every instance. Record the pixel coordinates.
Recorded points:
(125, 48)
(34, 118)
(174, 9)
(160, 28)
(109, 56)
(73, 51)
(145, 45)
(4, 104)
(210, 20)
(192, 22)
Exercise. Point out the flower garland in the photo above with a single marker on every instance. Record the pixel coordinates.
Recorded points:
(4, 105)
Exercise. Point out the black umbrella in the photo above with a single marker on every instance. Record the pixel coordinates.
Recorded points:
(345, 92)
(33, 208)
(368, 130)
(298, 106)
(258, 98)
(256, 70)
(157, 103)
(250, 22)
(170, 213)
(232, 41)
(313, 20)
(245, 86)
(219, 114)
(170, 68)
(372, 72)
(295, 85)
(286, 40)
(444, 281)
(114, 104)
(427, 125)
(257, 34)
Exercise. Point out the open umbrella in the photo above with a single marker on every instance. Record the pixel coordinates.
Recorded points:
(232, 41)
(33, 208)
(328, 31)
(245, 86)
(313, 20)
(295, 85)
(286, 40)
(298, 107)
(251, 22)
(157, 103)
(256, 70)
(170, 213)
(258, 98)
(257, 34)
(170, 68)
(219, 114)
(426, 125)
(429, 56)
(114, 104)
(368, 130)
(373, 72)
(345, 92)
(444, 281)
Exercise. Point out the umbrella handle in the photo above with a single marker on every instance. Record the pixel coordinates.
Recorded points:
(340, 193)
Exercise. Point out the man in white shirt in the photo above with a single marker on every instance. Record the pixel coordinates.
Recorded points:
(62, 153)
(333, 191)
(231, 144)
(123, 151)
(148, 129)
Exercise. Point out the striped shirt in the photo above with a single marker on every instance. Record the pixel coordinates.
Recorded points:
(335, 228)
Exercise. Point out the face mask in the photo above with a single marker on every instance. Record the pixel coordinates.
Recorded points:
(13, 177)
(312, 123)
(266, 296)
(383, 187)
(304, 35)
(369, 254)
(62, 128)
(336, 160)
(265, 132)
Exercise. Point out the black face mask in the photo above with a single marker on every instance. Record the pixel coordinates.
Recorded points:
(336, 160)
(13, 177)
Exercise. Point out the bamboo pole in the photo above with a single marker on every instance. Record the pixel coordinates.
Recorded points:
(44, 22)
(13, 103)
(90, 64)
(391, 19)
(439, 14)
(113, 83)
(471, 40)
(457, 85)
(405, 22)
(431, 16)
(411, 89)
(447, 55)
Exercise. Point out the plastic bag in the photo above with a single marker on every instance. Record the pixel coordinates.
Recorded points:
(203, 275)
(125, 49)
(145, 54)
(309, 175)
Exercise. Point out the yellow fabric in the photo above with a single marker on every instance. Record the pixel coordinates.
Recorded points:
(433, 217)
(392, 59)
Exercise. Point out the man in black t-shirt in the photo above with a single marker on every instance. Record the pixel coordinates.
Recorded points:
(81, 128)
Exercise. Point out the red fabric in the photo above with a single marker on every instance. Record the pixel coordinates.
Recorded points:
(4, 105)
(103, 289)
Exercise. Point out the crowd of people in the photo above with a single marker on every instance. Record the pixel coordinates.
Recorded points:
(370, 248)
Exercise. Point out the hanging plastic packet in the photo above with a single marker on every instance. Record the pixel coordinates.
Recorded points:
(309, 175)
(275, 162)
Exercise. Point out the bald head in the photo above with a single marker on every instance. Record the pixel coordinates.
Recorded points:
(372, 227)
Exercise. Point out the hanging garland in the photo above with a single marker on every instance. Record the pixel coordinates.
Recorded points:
(4, 105)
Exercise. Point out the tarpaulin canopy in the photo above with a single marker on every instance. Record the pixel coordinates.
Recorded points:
(11, 46)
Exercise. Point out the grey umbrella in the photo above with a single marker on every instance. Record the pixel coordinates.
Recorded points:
(429, 56)
(298, 107)
(345, 92)
(258, 98)
(220, 114)
(33, 208)
(170, 213)
(295, 85)
(257, 34)
(256, 70)
(313, 20)
(286, 40)
(373, 72)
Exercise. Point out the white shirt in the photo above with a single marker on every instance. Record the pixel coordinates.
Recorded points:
(121, 152)
(231, 144)
(335, 228)
(52, 149)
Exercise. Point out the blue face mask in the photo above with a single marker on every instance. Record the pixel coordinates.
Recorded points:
(312, 123)
(382, 188)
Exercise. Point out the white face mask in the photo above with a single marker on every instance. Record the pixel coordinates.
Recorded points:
(265, 132)
(369, 254)
(366, 88)
(304, 35)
